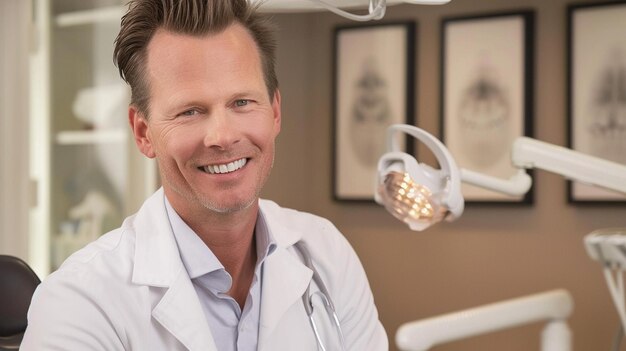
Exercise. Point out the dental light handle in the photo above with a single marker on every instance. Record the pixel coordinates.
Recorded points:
(453, 200)
(438, 149)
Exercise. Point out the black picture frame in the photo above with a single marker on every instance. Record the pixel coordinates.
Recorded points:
(487, 77)
(373, 88)
(596, 104)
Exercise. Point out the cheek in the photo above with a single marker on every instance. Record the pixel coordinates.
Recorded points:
(176, 143)
(263, 130)
(264, 136)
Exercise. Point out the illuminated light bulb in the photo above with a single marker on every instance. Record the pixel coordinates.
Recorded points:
(413, 192)
(409, 201)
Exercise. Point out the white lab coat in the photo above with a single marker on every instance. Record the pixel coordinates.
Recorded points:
(129, 290)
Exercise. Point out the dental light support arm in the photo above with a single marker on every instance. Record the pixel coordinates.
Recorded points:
(528, 153)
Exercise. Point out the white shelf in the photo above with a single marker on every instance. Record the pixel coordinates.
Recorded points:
(91, 137)
(102, 14)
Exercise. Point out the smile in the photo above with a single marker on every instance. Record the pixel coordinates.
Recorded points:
(225, 168)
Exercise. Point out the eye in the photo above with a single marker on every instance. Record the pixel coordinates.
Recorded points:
(241, 103)
(190, 112)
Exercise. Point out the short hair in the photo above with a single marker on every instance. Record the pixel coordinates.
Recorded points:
(190, 17)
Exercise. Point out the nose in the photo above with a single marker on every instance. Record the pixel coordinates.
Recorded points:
(221, 132)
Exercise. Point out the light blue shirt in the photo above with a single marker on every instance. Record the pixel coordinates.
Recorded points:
(232, 328)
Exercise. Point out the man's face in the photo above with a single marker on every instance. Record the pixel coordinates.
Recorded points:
(211, 122)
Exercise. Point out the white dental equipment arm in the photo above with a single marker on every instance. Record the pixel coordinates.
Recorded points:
(553, 306)
(376, 8)
(528, 153)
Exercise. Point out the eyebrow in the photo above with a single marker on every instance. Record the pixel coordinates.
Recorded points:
(247, 93)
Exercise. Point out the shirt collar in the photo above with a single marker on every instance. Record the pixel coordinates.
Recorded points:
(198, 259)
(196, 256)
(265, 242)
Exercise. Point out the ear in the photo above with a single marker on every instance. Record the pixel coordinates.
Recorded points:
(141, 131)
(277, 111)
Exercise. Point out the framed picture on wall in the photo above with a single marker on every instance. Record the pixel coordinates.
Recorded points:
(596, 90)
(486, 94)
(373, 89)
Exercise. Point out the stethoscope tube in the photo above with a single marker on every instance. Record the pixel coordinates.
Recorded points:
(324, 294)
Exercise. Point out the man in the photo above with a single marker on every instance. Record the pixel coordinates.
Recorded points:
(205, 264)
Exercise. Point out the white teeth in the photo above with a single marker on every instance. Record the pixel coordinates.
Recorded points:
(225, 168)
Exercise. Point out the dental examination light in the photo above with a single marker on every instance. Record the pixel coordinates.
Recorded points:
(414, 192)
(421, 196)
(376, 8)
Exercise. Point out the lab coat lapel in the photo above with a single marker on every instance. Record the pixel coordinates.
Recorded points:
(285, 280)
(285, 277)
(158, 264)
(180, 312)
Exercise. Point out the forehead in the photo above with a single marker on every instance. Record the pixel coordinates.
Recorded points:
(174, 55)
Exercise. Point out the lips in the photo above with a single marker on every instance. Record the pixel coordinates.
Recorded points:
(225, 168)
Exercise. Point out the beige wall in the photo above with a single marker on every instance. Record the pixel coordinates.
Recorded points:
(15, 187)
(489, 254)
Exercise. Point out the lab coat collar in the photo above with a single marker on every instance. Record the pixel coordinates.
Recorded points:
(157, 261)
(278, 224)
(158, 264)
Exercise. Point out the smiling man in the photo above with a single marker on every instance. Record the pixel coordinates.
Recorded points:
(205, 264)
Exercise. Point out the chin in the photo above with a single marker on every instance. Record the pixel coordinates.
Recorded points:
(230, 207)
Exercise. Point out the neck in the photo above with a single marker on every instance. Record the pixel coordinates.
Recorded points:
(230, 236)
